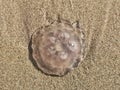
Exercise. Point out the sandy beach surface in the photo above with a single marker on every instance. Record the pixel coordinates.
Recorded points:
(101, 22)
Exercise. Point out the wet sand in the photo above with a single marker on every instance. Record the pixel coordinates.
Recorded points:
(101, 22)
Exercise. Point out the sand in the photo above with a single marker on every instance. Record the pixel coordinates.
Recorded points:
(100, 20)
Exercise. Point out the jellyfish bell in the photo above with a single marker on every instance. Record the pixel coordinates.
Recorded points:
(57, 51)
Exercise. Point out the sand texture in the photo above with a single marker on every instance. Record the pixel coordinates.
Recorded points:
(101, 22)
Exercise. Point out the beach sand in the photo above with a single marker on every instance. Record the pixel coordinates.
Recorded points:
(100, 19)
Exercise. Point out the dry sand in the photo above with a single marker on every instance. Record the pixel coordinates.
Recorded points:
(101, 21)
